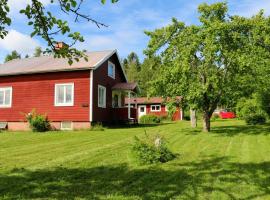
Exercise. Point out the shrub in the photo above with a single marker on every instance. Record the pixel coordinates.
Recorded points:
(215, 117)
(248, 107)
(38, 122)
(171, 107)
(149, 119)
(255, 119)
(150, 151)
(97, 127)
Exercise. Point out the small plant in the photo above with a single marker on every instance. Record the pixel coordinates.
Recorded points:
(215, 117)
(97, 127)
(38, 122)
(151, 150)
(171, 107)
(150, 119)
(255, 119)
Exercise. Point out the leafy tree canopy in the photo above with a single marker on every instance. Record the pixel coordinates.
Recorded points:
(47, 26)
(209, 63)
(13, 55)
(38, 52)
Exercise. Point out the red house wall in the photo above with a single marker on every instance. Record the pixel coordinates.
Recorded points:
(101, 78)
(37, 91)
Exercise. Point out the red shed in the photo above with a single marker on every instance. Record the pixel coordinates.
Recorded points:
(71, 96)
(155, 106)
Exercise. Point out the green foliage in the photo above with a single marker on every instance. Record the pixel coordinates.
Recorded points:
(255, 119)
(171, 107)
(151, 150)
(97, 127)
(45, 25)
(132, 67)
(149, 119)
(247, 107)
(12, 56)
(38, 52)
(252, 110)
(38, 122)
(149, 71)
(212, 63)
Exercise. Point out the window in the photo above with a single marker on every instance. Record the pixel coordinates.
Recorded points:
(155, 108)
(111, 70)
(66, 126)
(101, 96)
(5, 97)
(64, 94)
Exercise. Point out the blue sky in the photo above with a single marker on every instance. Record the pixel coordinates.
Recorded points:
(127, 21)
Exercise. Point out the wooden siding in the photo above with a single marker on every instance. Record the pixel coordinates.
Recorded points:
(37, 91)
(100, 77)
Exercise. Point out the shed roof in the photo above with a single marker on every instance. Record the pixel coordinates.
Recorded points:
(127, 86)
(150, 100)
(48, 63)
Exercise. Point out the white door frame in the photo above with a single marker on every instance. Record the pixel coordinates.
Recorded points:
(139, 110)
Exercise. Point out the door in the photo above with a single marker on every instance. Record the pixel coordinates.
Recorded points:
(141, 110)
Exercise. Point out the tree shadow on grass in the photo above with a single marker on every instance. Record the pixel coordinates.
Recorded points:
(185, 180)
(242, 129)
(137, 125)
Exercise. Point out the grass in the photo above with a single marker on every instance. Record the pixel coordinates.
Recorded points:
(231, 162)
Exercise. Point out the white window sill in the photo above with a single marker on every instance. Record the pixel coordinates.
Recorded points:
(64, 105)
(5, 106)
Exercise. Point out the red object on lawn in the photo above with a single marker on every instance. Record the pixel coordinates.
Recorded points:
(227, 115)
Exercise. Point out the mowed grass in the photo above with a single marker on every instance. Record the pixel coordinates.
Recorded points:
(231, 162)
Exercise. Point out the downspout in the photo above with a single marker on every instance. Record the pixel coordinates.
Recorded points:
(91, 95)
(128, 104)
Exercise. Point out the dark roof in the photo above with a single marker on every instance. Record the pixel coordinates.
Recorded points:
(48, 63)
(150, 100)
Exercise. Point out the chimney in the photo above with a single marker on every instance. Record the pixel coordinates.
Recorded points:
(60, 45)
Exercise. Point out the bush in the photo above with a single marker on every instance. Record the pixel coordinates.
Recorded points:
(255, 119)
(249, 107)
(150, 151)
(215, 117)
(97, 127)
(38, 122)
(149, 119)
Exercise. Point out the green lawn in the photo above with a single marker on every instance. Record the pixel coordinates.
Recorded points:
(232, 162)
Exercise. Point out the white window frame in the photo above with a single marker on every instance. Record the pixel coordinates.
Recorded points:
(104, 97)
(66, 129)
(55, 95)
(159, 110)
(10, 103)
(109, 64)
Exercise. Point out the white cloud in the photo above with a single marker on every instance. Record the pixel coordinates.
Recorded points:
(20, 42)
(16, 5)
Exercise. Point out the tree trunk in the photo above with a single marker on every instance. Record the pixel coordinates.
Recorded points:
(193, 118)
(206, 122)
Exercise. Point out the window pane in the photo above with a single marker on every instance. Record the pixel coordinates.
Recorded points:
(68, 94)
(111, 70)
(99, 96)
(60, 94)
(1, 97)
(7, 97)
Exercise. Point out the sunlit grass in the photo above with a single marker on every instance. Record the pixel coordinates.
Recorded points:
(231, 162)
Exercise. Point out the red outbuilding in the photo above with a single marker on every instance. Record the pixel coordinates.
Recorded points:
(155, 106)
(72, 97)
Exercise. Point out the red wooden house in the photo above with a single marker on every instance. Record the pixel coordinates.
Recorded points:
(72, 97)
(155, 106)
